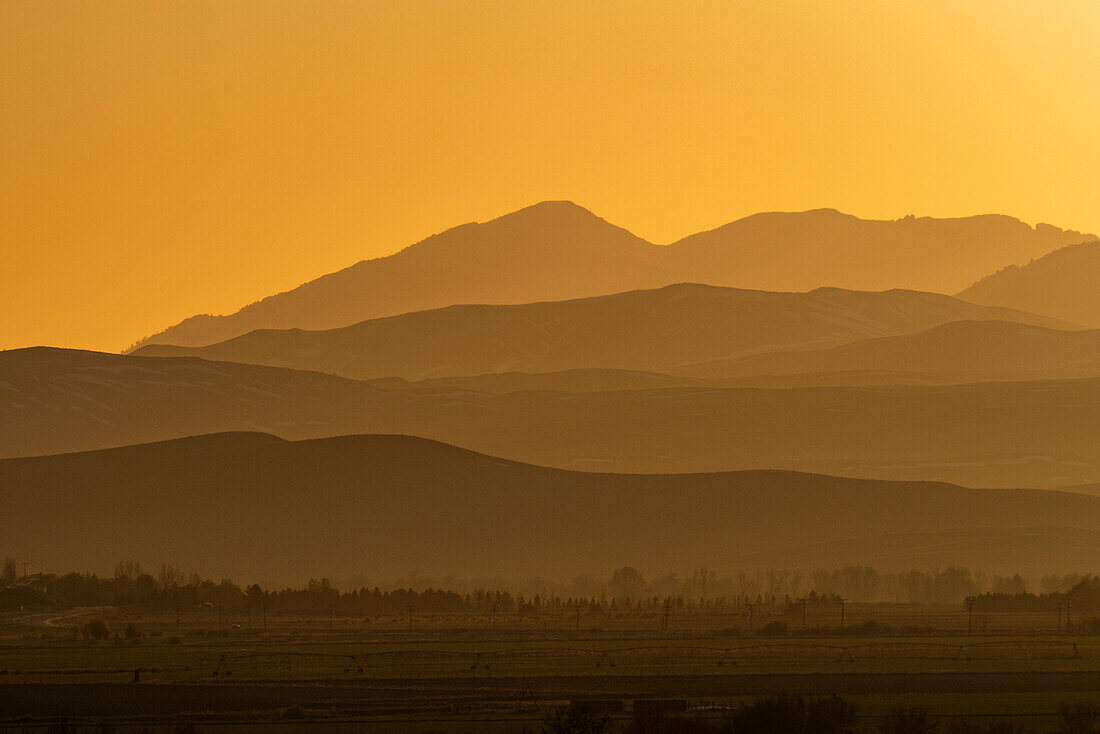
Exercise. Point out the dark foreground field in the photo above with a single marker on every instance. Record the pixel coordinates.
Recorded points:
(325, 675)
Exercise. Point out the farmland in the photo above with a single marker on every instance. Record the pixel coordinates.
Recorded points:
(416, 673)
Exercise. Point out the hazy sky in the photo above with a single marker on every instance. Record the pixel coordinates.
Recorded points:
(159, 159)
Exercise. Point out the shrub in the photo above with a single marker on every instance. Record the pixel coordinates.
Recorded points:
(95, 629)
(294, 713)
(906, 721)
(1078, 718)
(576, 721)
(774, 629)
(131, 631)
(785, 714)
(993, 727)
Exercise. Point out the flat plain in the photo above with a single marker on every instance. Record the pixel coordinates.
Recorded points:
(456, 673)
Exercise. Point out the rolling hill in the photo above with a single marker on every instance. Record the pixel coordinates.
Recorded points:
(998, 434)
(251, 506)
(655, 330)
(1062, 284)
(557, 250)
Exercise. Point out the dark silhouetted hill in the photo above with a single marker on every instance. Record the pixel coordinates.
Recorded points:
(1039, 434)
(557, 250)
(255, 507)
(656, 330)
(1064, 284)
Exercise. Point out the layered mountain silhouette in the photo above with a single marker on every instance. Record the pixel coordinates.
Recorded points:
(654, 330)
(254, 506)
(958, 352)
(558, 250)
(962, 351)
(1063, 284)
(999, 434)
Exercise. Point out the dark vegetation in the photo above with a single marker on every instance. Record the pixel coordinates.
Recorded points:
(796, 714)
(627, 590)
(1084, 597)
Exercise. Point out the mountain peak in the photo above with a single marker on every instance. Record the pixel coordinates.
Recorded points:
(547, 212)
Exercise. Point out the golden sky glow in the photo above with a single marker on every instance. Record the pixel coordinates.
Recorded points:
(159, 159)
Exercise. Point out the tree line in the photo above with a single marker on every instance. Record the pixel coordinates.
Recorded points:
(625, 590)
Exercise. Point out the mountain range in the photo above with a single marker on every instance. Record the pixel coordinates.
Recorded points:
(557, 250)
(250, 505)
(666, 329)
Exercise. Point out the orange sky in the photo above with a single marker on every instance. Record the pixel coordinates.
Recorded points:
(159, 159)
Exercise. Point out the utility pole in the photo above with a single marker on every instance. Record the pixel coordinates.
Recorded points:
(803, 601)
(25, 564)
(751, 605)
(969, 614)
(493, 618)
(842, 601)
(666, 614)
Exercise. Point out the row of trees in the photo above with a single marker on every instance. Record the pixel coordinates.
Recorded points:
(627, 588)
(1083, 597)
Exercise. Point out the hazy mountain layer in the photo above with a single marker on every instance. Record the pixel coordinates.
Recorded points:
(558, 250)
(1040, 434)
(656, 330)
(959, 352)
(963, 351)
(254, 507)
(1063, 284)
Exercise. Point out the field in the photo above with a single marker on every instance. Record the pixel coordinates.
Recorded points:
(458, 674)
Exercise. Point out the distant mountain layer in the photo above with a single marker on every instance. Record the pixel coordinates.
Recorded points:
(251, 506)
(1064, 284)
(954, 353)
(1039, 434)
(963, 351)
(558, 250)
(656, 330)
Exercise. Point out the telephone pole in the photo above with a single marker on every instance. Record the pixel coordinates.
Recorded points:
(842, 601)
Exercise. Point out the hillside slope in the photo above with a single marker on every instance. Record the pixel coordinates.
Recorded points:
(1062, 284)
(255, 507)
